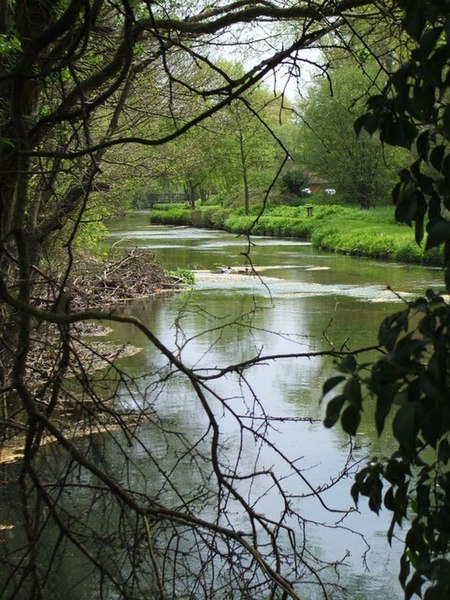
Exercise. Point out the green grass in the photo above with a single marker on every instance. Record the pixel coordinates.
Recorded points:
(373, 233)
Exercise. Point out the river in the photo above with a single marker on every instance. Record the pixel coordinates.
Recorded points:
(301, 301)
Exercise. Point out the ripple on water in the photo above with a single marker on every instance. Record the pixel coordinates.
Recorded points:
(277, 287)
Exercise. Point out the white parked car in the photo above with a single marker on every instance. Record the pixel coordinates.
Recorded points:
(330, 191)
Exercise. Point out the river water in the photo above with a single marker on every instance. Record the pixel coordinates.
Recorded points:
(301, 301)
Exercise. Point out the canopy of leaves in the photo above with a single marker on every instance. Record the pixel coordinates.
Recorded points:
(411, 381)
(357, 166)
(414, 112)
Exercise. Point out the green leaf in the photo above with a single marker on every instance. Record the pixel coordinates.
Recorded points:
(414, 23)
(425, 183)
(348, 364)
(446, 122)
(437, 156)
(396, 192)
(432, 388)
(446, 166)
(423, 499)
(414, 586)
(444, 451)
(435, 593)
(425, 96)
(352, 392)
(405, 569)
(438, 233)
(423, 144)
(377, 102)
(360, 123)
(389, 499)
(331, 383)
(428, 41)
(385, 399)
(350, 420)
(394, 472)
(405, 426)
(371, 123)
(333, 411)
(391, 328)
(359, 485)
(419, 229)
(375, 493)
(431, 426)
(398, 131)
(390, 531)
(405, 211)
(355, 489)
(434, 207)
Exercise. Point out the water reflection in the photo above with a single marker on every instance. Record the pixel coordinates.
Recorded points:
(304, 302)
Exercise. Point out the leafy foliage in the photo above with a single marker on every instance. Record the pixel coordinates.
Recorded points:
(186, 275)
(90, 93)
(410, 383)
(413, 112)
(293, 180)
(355, 165)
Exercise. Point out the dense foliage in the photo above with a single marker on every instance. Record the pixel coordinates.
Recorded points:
(411, 381)
(100, 97)
(357, 166)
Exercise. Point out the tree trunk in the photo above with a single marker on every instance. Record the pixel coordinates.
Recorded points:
(244, 173)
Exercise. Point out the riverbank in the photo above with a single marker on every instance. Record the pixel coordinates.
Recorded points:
(123, 276)
(108, 285)
(371, 233)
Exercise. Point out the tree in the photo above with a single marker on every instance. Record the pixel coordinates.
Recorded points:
(410, 382)
(247, 154)
(69, 69)
(294, 180)
(357, 166)
(191, 163)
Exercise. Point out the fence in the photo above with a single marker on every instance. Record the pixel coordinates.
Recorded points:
(152, 198)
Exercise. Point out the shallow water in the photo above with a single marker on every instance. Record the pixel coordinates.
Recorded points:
(298, 301)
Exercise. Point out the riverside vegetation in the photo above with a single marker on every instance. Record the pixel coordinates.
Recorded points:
(98, 101)
(373, 233)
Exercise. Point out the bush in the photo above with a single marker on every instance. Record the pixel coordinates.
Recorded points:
(171, 216)
(238, 223)
(186, 275)
(293, 180)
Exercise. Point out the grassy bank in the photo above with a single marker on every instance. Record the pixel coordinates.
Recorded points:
(373, 233)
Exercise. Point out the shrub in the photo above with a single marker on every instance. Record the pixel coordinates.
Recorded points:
(186, 275)
(293, 180)
(335, 228)
(172, 216)
(238, 223)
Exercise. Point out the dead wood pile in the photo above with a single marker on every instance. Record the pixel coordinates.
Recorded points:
(109, 282)
(61, 363)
